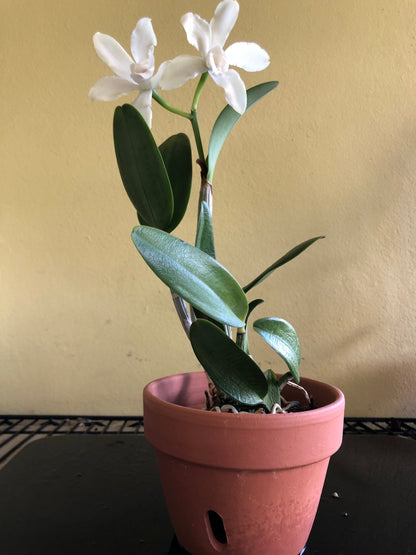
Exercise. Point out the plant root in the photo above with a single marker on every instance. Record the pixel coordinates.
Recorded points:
(277, 409)
(306, 394)
(229, 408)
(218, 401)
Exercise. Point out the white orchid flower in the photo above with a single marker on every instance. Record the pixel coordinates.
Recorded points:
(209, 40)
(131, 73)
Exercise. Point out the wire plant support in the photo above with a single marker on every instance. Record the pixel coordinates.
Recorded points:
(18, 430)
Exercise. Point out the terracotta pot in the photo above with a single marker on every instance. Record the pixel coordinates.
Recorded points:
(241, 483)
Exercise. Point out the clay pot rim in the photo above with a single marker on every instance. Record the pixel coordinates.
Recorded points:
(293, 418)
(193, 434)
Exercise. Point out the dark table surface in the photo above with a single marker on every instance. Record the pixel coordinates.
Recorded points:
(100, 495)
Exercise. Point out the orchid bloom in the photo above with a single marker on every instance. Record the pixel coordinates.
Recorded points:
(131, 73)
(209, 40)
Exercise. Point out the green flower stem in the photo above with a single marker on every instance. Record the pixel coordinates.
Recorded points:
(169, 107)
(195, 126)
(190, 116)
(198, 91)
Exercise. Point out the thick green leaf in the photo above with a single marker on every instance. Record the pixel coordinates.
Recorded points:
(273, 390)
(205, 231)
(231, 370)
(228, 118)
(194, 275)
(252, 305)
(281, 336)
(283, 260)
(177, 156)
(141, 168)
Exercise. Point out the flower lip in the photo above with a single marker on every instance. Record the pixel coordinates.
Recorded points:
(142, 67)
(216, 60)
(142, 71)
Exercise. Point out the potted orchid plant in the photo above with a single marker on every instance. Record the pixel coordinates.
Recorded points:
(213, 307)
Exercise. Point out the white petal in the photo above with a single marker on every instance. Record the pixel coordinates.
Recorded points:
(224, 19)
(197, 31)
(143, 40)
(181, 69)
(113, 54)
(111, 88)
(235, 90)
(247, 55)
(143, 103)
(155, 80)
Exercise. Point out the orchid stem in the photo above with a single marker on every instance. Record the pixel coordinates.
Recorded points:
(202, 162)
(198, 91)
(178, 301)
(182, 311)
(195, 126)
(241, 338)
(169, 107)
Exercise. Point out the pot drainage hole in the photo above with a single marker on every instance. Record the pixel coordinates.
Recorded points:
(217, 527)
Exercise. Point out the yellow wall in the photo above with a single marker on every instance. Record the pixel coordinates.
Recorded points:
(332, 151)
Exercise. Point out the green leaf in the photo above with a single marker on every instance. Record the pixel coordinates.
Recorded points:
(283, 260)
(252, 305)
(226, 121)
(281, 336)
(141, 168)
(231, 370)
(205, 231)
(194, 275)
(273, 390)
(177, 157)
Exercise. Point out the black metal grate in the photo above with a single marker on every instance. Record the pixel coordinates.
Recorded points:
(17, 430)
(390, 426)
